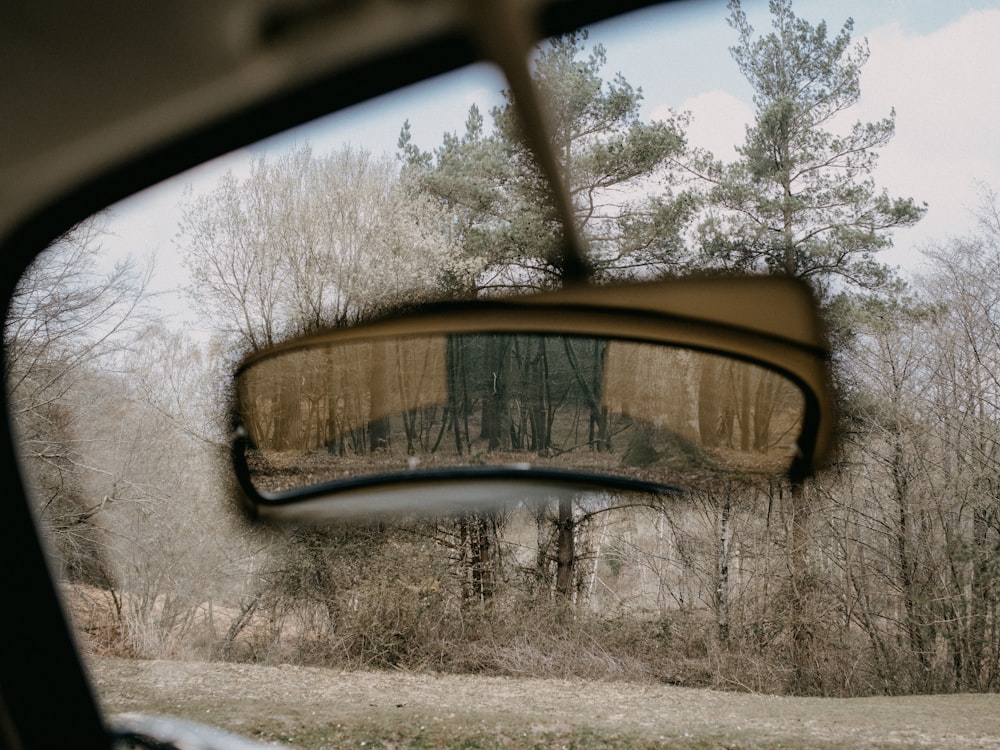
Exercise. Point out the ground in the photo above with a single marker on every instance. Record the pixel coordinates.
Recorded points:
(318, 708)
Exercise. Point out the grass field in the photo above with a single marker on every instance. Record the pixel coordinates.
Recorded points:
(317, 708)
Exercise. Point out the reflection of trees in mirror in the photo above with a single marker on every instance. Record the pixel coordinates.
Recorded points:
(662, 414)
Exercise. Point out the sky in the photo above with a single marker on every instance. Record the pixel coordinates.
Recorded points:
(937, 64)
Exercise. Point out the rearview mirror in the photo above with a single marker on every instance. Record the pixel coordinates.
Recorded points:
(652, 387)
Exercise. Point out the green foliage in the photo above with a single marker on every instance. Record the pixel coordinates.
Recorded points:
(502, 211)
(801, 198)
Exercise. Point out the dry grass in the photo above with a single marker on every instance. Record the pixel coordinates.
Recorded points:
(318, 708)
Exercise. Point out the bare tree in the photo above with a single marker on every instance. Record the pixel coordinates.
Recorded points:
(965, 406)
(70, 311)
(307, 240)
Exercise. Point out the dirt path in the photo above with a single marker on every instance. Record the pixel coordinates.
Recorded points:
(317, 708)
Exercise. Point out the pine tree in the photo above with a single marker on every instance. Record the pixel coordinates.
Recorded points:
(500, 201)
(801, 198)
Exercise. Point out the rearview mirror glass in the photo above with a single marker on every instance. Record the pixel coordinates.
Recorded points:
(649, 412)
(523, 400)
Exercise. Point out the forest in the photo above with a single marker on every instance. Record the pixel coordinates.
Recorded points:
(881, 575)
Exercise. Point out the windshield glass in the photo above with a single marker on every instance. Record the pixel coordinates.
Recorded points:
(857, 155)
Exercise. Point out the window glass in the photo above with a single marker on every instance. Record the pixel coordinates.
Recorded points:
(860, 156)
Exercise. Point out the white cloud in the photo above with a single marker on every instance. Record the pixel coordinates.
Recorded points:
(945, 88)
(718, 121)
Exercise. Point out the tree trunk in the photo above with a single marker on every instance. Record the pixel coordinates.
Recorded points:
(802, 635)
(722, 592)
(565, 548)
(378, 427)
